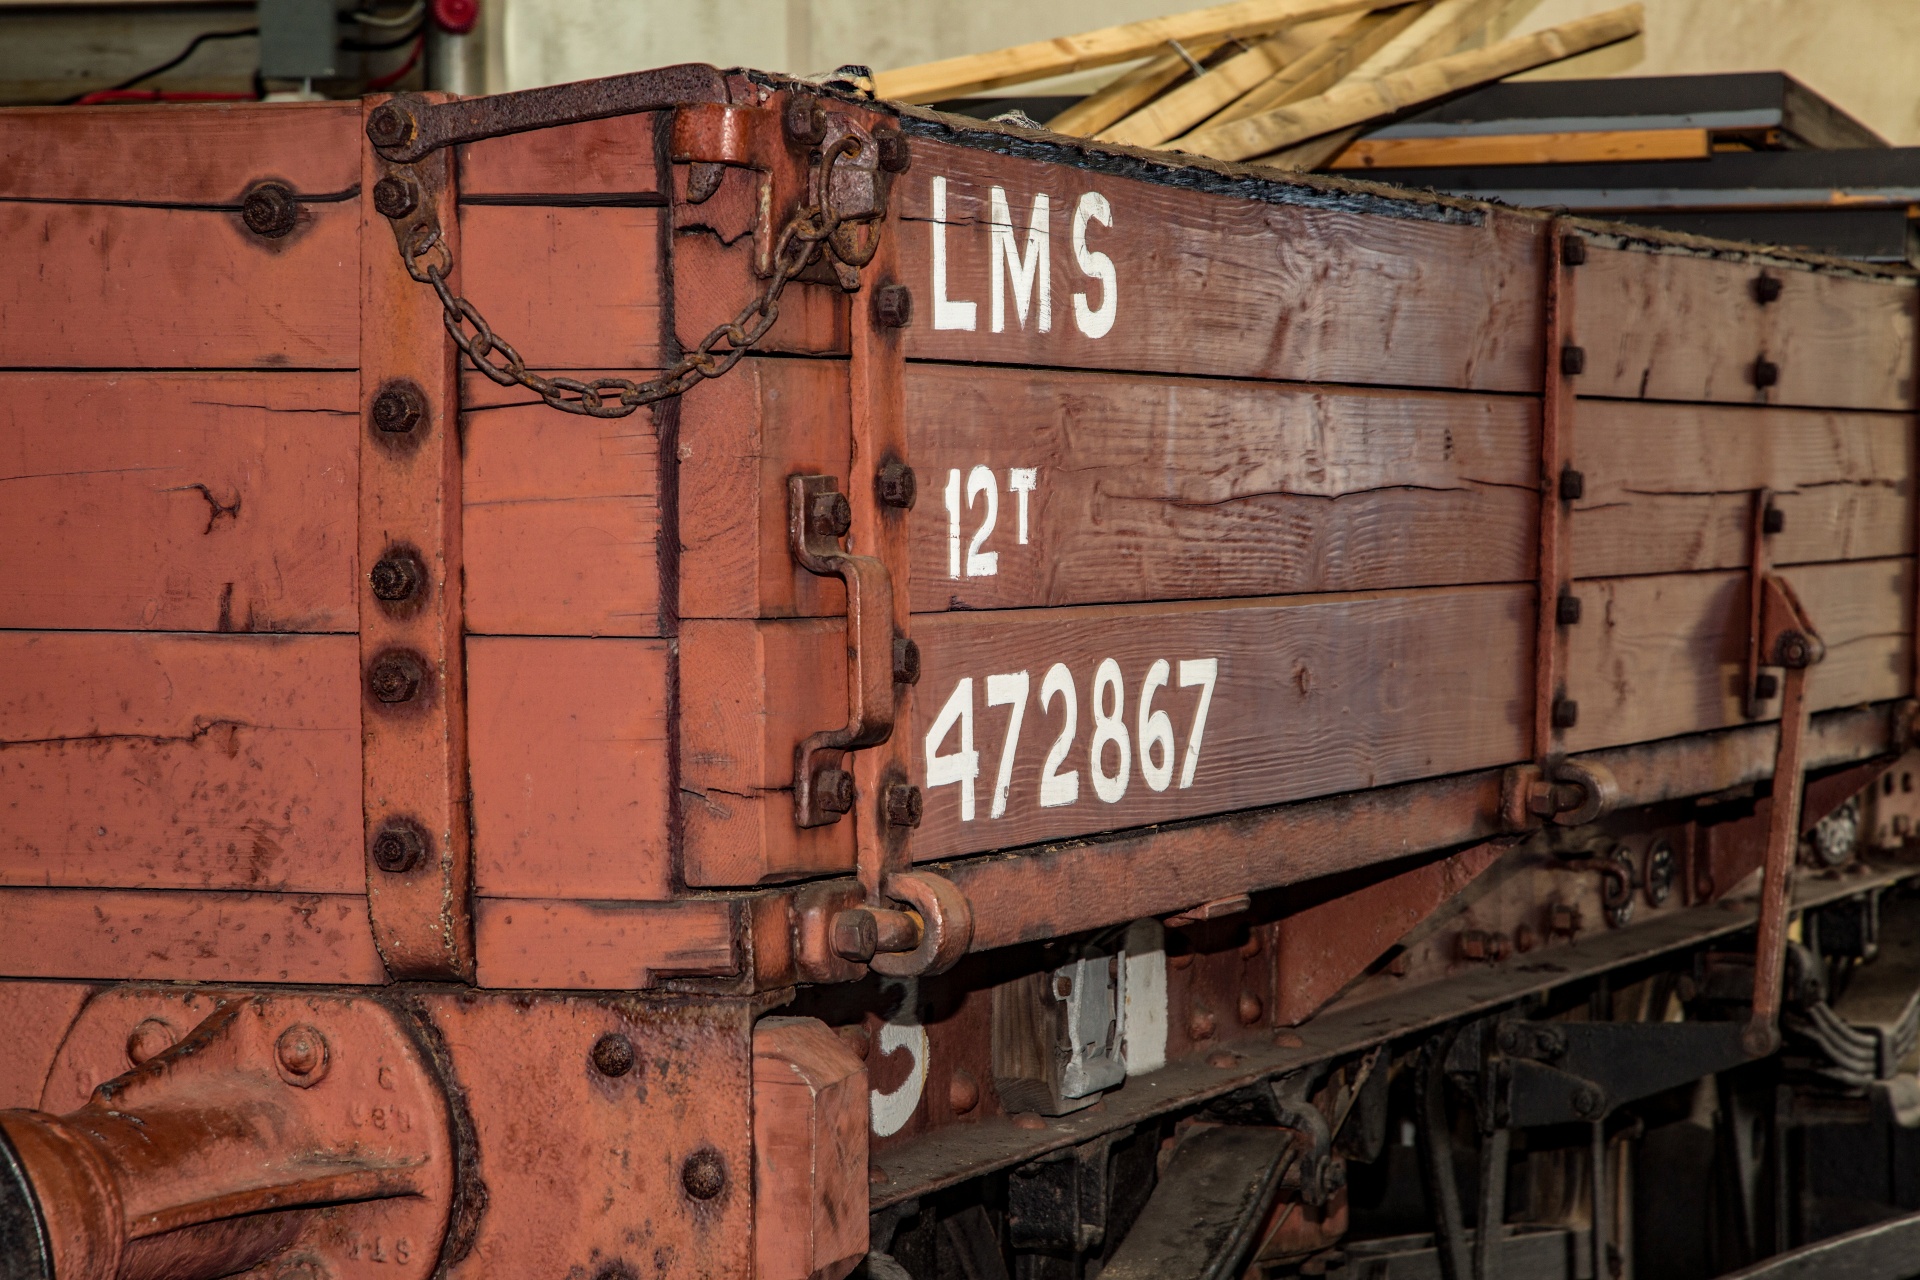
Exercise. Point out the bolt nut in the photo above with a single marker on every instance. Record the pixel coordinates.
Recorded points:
(398, 846)
(301, 1055)
(269, 210)
(1766, 288)
(1792, 649)
(395, 677)
(1524, 938)
(149, 1039)
(893, 306)
(1573, 250)
(704, 1175)
(395, 197)
(1566, 713)
(1773, 520)
(1765, 373)
(896, 486)
(892, 145)
(398, 408)
(391, 125)
(613, 1055)
(1564, 918)
(1566, 609)
(830, 515)
(804, 121)
(1587, 1102)
(396, 576)
(854, 935)
(906, 661)
(833, 790)
(1573, 485)
(1766, 685)
(1473, 945)
(904, 805)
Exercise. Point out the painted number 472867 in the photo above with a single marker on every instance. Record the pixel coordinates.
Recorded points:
(1115, 742)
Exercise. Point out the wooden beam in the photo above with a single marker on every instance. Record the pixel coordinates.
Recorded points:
(1129, 93)
(1175, 112)
(1358, 101)
(1323, 68)
(1525, 148)
(933, 81)
(1444, 29)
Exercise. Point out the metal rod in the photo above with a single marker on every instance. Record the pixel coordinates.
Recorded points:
(1436, 1157)
(1488, 1227)
(1601, 1218)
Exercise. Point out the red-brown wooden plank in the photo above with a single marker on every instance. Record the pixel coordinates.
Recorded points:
(130, 935)
(1270, 280)
(561, 518)
(568, 741)
(114, 287)
(217, 762)
(203, 502)
(602, 946)
(1674, 325)
(141, 153)
(612, 157)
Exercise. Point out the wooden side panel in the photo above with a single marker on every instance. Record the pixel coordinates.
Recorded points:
(207, 502)
(1305, 696)
(157, 761)
(605, 158)
(187, 937)
(561, 518)
(1137, 488)
(569, 760)
(112, 286)
(570, 288)
(131, 153)
(1679, 326)
(1660, 656)
(601, 946)
(1670, 487)
(1261, 280)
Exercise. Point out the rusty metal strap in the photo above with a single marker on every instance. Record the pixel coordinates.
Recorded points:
(403, 131)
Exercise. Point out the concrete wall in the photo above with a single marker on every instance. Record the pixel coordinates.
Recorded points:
(1862, 54)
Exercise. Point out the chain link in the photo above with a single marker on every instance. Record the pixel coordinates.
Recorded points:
(800, 243)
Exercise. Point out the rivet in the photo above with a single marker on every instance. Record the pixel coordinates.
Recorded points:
(830, 515)
(390, 125)
(904, 805)
(893, 306)
(1250, 1008)
(613, 1055)
(395, 197)
(398, 846)
(149, 1039)
(1586, 1101)
(269, 210)
(395, 677)
(833, 790)
(398, 408)
(1200, 1026)
(301, 1055)
(963, 1092)
(704, 1175)
(896, 486)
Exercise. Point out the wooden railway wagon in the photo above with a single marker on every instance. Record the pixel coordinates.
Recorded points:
(695, 675)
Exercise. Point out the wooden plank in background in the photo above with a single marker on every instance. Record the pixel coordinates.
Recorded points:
(613, 157)
(128, 152)
(1669, 487)
(169, 761)
(109, 286)
(1595, 147)
(203, 502)
(601, 946)
(560, 515)
(1683, 326)
(1660, 656)
(136, 936)
(568, 746)
(1149, 488)
(1331, 288)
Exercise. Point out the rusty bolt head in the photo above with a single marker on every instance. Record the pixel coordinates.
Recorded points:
(833, 790)
(892, 144)
(1766, 288)
(1766, 685)
(395, 197)
(1201, 1025)
(1473, 945)
(1564, 918)
(1792, 649)
(704, 1175)
(1573, 360)
(906, 661)
(855, 935)
(1399, 966)
(391, 125)
(399, 846)
(148, 1040)
(1566, 713)
(1525, 939)
(1586, 1101)
(1773, 520)
(396, 676)
(269, 210)
(1573, 485)
(1250, 1008)
(830, 515)
(1573, 250)
(1566, 609)
(396, 576)
(893, 306)
(1499, 946)
(301, 1055)
(805, 122)
(398, 408)
(904, 805)
(963, 1091)
(613, 1055)
(896, 486)
(1765, 373)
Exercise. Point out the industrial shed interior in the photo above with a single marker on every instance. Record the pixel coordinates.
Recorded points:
(1062, 641)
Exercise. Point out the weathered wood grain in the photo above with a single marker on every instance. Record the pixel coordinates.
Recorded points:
(131, 935)
(567, 741)
(613, 157)
(131, 153)
(1659, 656)
(205, 502)
(713, 276)
(1669, 487)
(112, 286)
(561, 517)
(1682, 326)
(570, 288)
(1150, 488)
(176, 761)
(601, 946)
(1284, 282)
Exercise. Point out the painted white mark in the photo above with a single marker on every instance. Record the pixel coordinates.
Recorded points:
(949, 313)
(959, 767)
(1143, 1025)
(1021, 480)
(980, 483)
(902, 1030)
(1092, 321)
(1009, 690)
(1025, 272)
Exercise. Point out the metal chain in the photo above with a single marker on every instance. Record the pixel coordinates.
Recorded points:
(797, 247)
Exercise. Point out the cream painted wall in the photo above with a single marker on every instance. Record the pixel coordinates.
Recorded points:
(1862, 54)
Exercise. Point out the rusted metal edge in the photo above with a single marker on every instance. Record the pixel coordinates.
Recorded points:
(958, 1152)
